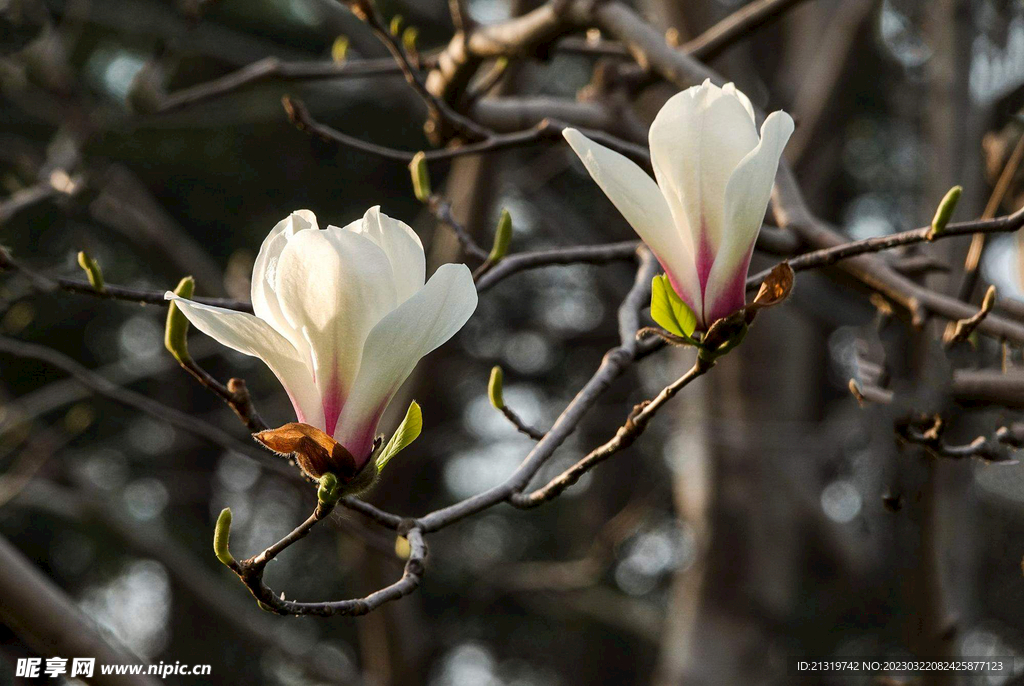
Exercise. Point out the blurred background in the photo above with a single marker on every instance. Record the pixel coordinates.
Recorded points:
(765, 515)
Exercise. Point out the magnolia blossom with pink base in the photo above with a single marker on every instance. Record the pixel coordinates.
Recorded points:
(342, 316)
(714, 179)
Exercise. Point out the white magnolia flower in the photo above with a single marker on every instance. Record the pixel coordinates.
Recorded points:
(714, 179)
(342, 316)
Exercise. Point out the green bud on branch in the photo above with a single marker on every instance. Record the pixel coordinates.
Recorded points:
(339, 49)
(494, 388)
(328, 493)
(945, 211)
(502, 238)
(176, 329)
(409, 37)
(396, 24)
(92, 270)
(420, 176)
(402, 548)
(221, 534)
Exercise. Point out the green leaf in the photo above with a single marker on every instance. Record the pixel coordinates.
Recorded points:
(420, 176)
(669, 310)
(502, 238)
(945, 211)
(92, 270)
(176, 330)
(494, 388)
(221, 534)
(408, 431)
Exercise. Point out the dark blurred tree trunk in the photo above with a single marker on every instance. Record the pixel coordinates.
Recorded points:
(733, 491)
(944, 602)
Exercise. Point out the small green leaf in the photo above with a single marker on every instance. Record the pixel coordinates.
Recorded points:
(669, 310)
(502, 238)
(945, 211)
(92, 270)
(221, 535)
(420, 176)
(495, 388)
(409, 37)
(339, 49)
(176, 330)
(408, 431)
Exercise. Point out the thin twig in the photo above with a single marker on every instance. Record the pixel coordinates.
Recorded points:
(442, 211)
(275, 68)
(587, 254)
(110, 292)
(829, 256)
(614, 363)
(299, 115)
(188, 423)
(737, 26)
(972, 261)
(441, 111)
(634, 426)
(520, 425)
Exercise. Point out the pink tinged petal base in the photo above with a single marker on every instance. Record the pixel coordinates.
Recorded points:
(359, 440)
(733, 297)
(705, 261)
(333, 400)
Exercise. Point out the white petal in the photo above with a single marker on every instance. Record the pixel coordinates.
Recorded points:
(334, 286)
(264, 300)
(402, 246)
(250, 335)
(423, 322)
(731, 89)
(697, 139)
(746, 199)
(638, 198)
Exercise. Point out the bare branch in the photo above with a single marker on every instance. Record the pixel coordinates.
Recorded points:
(299, 115)
(129, 398)
(39, 613)
(588, 254)
(635, 424)
(274, 68)
(136, 295)
(614, 363)
(737, 26)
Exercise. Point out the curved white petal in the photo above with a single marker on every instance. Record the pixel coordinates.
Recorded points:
(746, 197)
(638, 198)
(333, 286)
(731, 89)
(250, 335)
(264, 300)
(401, 245)
(426, 320)
(697, 139)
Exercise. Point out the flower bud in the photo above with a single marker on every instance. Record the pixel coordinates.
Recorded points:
(92, 270)
(494, 388)
(221, 534)
(420, 176)
(945, 211)
(176, 329)
(502, 238)
(328, 492)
